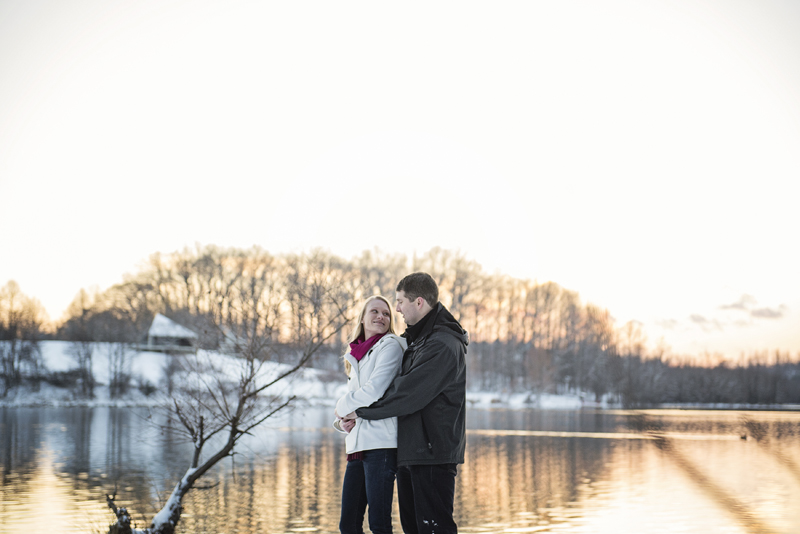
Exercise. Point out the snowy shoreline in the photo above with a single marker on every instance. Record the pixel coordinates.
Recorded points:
(51, 397)
(312, 387)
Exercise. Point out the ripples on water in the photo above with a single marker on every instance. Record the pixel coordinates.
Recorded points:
(526, 471)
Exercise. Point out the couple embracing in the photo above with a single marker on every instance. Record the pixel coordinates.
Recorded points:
(404, 413)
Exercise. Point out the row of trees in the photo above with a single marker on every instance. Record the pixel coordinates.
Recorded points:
(647, 382)
(226, 296)
(525, 336)
(22, 319)
(213, 285)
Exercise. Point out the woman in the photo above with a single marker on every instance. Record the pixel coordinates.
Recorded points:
(372, 361)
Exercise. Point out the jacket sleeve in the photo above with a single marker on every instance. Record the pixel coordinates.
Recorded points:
(388, 358)
(434, 367)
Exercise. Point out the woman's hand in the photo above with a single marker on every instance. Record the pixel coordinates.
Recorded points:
(347, 424)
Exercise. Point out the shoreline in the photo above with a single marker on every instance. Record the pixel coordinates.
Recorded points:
(51, 397)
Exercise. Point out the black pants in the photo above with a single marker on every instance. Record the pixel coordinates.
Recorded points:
(425, 495)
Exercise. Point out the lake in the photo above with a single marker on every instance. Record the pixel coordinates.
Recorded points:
(588, 471)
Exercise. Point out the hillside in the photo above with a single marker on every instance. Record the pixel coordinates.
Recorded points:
(149, 370)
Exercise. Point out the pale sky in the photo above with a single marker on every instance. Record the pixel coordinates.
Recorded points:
(644, 154)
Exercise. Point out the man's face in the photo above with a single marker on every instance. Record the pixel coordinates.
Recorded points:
(409, 309)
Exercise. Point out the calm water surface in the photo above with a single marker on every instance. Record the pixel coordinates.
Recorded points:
(526, 471)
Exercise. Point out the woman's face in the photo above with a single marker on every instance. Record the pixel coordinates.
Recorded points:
(376, 318)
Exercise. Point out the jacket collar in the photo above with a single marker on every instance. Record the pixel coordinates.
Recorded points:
(424, 326)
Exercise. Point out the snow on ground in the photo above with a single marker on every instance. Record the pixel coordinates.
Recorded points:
(318, 387)
(145, 367)
(57, 357)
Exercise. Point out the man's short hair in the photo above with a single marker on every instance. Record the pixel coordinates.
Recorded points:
(420, 285)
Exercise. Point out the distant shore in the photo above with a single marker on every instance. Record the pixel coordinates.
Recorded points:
(49, 396)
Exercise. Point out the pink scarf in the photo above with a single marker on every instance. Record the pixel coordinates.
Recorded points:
(359, 348)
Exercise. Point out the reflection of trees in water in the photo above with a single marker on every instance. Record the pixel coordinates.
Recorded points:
(512, 481)
(299, 487)
(549, 420)
(292, 478)
(28, 434)
(19, 437)
(90, 449)
(527, 479)
(299, 484)
(76, 440)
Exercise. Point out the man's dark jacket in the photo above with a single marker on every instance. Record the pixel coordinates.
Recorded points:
(428, 397)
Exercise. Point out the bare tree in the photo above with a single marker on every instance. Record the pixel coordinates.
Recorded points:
(379, 272)
(78, 329)
(220, 399)
(119, 367)
(21, 322)
(631, 378)
(82, 352)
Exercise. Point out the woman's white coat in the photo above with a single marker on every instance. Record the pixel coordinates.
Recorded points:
(367, 382)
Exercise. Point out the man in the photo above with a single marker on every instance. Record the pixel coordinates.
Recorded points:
(428, 398)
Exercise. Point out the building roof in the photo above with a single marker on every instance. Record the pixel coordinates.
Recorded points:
(165, 327)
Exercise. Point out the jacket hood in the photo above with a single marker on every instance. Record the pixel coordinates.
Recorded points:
(445, 322)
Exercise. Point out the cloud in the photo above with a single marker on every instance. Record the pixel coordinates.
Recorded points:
(768, 313)
(668, 324)
(720, 322)
(744, 303)
(706, 324)
(747, 303)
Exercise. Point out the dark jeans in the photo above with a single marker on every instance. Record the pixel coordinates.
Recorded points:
(369, 481)
(425, 494)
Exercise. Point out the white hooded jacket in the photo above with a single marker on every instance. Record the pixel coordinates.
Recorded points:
(367, 382)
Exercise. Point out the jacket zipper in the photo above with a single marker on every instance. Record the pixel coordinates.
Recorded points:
(416, 345)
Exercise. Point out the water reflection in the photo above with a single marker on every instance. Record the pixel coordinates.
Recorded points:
(526, 471)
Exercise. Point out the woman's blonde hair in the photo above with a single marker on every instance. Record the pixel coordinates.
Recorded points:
(358, 327)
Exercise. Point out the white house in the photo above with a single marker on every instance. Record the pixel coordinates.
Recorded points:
(166, 335)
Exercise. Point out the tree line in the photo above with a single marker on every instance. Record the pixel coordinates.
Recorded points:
(525, 335)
